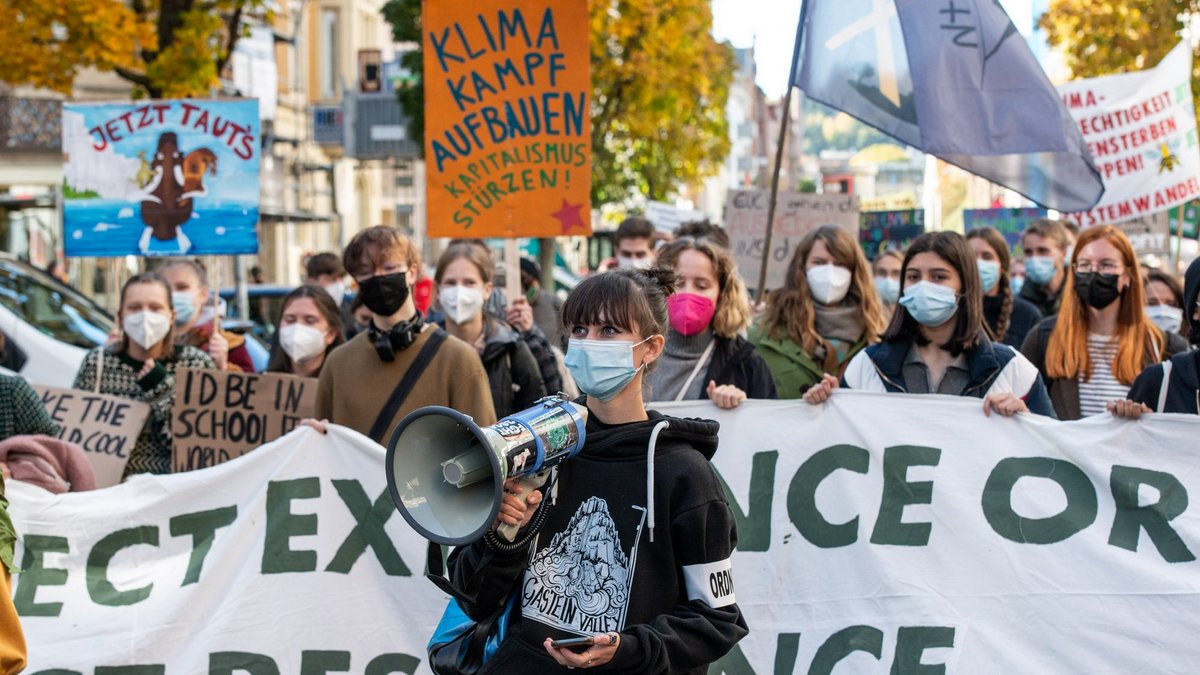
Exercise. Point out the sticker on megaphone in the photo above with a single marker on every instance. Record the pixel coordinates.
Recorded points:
(446, 474)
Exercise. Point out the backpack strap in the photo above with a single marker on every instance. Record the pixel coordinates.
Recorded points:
(1162, 391)
(404, 387)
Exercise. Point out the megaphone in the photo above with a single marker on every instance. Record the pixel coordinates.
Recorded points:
(446, 473)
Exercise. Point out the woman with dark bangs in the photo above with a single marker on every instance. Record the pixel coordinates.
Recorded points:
(608, 552)
(938, 343)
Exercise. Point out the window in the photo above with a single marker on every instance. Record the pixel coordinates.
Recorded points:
(52, 308)
(327, 52)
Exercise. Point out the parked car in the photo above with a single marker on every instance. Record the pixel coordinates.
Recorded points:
(48, 325)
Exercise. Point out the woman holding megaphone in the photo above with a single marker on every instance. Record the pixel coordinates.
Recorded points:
(632, 562)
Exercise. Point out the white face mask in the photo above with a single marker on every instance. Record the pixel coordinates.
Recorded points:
(1167, 318)
(460, 303)
(301, 342)
(828, 283)
(146, 328)
(643, 263)
(337, 291)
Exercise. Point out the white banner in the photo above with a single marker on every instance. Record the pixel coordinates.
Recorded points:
(1141, 129)
(876, 533)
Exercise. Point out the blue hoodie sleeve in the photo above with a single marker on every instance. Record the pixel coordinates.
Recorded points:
(1146, 387)
(1037, 399)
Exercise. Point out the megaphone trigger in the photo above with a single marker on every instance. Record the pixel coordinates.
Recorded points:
(529, 484)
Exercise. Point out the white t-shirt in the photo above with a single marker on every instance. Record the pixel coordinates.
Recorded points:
(1101, 387)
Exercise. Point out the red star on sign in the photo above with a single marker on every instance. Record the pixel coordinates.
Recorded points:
(569, 216)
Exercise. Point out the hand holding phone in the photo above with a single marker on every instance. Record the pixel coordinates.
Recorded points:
(574, 644)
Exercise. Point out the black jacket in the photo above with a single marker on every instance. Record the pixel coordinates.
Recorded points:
(1024, 317)
(603, 562)
(1040, 298)
(513, 374)
(1183, 389)
(734, 361)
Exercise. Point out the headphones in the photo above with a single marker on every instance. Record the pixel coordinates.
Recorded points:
(403, 334)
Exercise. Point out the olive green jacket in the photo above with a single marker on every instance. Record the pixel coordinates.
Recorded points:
(793, 369)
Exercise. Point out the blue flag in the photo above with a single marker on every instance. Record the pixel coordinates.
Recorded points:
(952, 78)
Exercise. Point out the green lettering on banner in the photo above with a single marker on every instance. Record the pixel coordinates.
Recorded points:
(282, 525)
(386, 664)
(890, 527)
(202, 527)
(101, 590)
(34, 573)
(368, 531)
(319, 662)
(802, 495)
(997, 500)
(787, 648)
(754, 525)
(154, 669)
(57, 671)
(844, 643)
(228, 663)
(1154, 518)
(911, 643)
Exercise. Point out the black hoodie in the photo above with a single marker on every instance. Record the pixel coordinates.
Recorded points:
(604, 562)
(1183, 388)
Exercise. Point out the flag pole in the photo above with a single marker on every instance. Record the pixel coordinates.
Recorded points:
(783, 125)
(1178, 257)
(766, 254)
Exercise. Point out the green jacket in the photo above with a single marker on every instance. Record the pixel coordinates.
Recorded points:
(8, 536)
(793, 369)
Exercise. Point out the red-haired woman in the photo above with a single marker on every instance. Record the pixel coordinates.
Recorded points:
(1101, 339)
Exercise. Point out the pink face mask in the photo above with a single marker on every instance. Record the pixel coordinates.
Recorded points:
(689, 313)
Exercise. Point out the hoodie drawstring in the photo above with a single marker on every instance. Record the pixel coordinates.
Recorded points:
(650, 474)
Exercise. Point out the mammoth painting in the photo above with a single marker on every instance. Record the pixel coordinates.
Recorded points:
(175, 179)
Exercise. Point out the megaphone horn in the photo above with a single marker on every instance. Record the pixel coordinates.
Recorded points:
(446, 473)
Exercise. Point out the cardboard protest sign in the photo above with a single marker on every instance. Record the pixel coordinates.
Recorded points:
(667, 217)
(1148, 234)
(219, 416)
(160, 178)
(106, 427)
(1010, 222)
(882, 230)
(796, 213)
(507, 126)
(1141, 129)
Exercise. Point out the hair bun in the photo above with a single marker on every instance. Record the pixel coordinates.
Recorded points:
(664, 277)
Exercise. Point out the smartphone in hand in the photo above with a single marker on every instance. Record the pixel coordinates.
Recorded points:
(574, 644)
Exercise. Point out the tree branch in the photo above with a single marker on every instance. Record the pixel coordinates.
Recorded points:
(232, 25)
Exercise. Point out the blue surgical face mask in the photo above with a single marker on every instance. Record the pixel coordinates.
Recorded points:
(1017, 284)
(929, 303)
(1040, 269)
(601, 368)
(888, 289)
(989, 273)
(184, 304)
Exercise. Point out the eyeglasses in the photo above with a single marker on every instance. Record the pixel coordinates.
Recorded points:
(1103, 267)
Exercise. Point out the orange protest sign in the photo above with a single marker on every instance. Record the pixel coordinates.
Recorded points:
(507, 126)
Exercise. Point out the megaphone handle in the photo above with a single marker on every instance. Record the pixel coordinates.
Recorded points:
(528, 484)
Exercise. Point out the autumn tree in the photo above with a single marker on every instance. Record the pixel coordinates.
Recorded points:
(166, 48)
(1101, 37)
(660, 82)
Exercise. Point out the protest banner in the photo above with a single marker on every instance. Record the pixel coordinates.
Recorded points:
(1141, 129)
(1148, 234)
(106, 427)
(667, 217)
(796, 213)
(1009, 222)
(881, 230)
(221, 415)
(878, 532)
(160, 178)
(507, 122)
(1191, 220)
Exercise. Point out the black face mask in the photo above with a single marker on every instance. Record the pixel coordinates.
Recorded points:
(384, 294)
(1097, 290)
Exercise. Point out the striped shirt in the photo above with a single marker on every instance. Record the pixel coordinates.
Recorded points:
(1101, 387)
